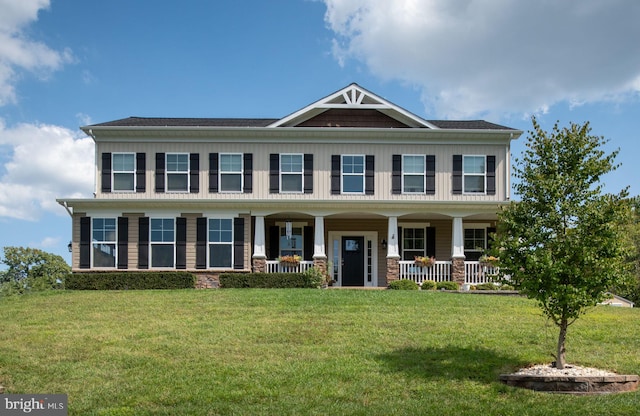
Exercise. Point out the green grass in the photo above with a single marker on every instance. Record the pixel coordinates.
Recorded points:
(298, 351)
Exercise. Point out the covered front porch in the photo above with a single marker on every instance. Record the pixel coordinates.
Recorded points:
(371, 249)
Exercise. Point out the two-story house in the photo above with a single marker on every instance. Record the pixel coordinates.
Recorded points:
(351, 183)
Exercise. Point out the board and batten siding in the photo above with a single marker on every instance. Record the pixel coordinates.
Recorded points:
(322, 169)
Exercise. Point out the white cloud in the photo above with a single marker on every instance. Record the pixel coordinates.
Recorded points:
(19, 53)
(494, 57)
(44, 162)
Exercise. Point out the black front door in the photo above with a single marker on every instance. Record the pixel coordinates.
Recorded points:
(352, 261)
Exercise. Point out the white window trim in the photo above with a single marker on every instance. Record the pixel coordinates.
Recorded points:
(210, 243)
(114, 171)
(484, 175)
(301, 173)
(283, 225)
(476, 226)
(166, 173)
(220, 173)
(424, 175)
(115, 242)
(152, 243)
(363, 174)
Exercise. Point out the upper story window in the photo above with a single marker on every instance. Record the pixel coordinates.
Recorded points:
(103, 242)
(413, 174)
(123, 171)
(474, 174)
(231, 172)
(162, 241)
(177, 171)
(291, 172)
(353, 174)
(220, 243)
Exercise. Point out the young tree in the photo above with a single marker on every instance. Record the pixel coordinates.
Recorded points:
(561, 243)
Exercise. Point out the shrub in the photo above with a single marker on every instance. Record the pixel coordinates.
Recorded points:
(486, 286)
(130, 280)
(447, 286)
(403, 284)
(269, 280)
(428, 285)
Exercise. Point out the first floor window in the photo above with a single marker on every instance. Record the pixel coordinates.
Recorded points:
(474, 174)
(177, 168)
(353, 174)
(124, 171)
(291, 243)
(104, 242)
(162, 242)
(413, 173)
(220, 242)
(413, 243)
(474, 242)
(291, 171)
(231, 172)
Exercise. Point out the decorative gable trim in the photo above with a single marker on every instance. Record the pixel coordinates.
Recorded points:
(353, 97)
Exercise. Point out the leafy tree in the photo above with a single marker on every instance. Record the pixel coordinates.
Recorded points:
(32, 269)
(630, 287)
(562, 244)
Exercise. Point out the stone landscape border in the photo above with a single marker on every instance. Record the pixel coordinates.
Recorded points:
(573, 384)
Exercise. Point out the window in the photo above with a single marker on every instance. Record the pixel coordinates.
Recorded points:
(220, 242)
(291, 172)
(124, 171)
(413, 243)
(162, 242)
(353, 174)
(413, 173)
(292, 245)
(474, 172)
(231, 172)
(104, 242)
(474, 242)
(177, 172)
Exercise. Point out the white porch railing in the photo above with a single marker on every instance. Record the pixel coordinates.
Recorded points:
(476, 273)
(274, 266)
(439, 272)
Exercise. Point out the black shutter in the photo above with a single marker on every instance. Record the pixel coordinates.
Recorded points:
(248, 173)
(491, 175)
(181, 243)
(238, 243)
(159, 172)
(396, 174)
(308, 243)
(123, 242)
(369, 175)
(106, 172)
(430, 174)
(141, 172)
(274, 173)
(490, 236)
(335, 174)
(399, 242)
(213, 172)
(274, 241)
(143, 243)
(456, 183)
(308, 173)
(85, 242)
(194, 173)
(431, 242)
(201, 243)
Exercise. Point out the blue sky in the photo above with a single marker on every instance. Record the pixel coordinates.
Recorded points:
(64, 64)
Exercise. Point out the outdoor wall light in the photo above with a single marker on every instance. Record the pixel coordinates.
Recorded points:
(70, 247)
(384, 243)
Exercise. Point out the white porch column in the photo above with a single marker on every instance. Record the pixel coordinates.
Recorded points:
(259, 251)
(457, 239)
(393, 250)
(318, 239)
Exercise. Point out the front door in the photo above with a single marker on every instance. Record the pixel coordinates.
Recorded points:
(353, 261)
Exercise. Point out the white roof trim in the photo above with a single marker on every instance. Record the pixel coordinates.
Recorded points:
(355, 97)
